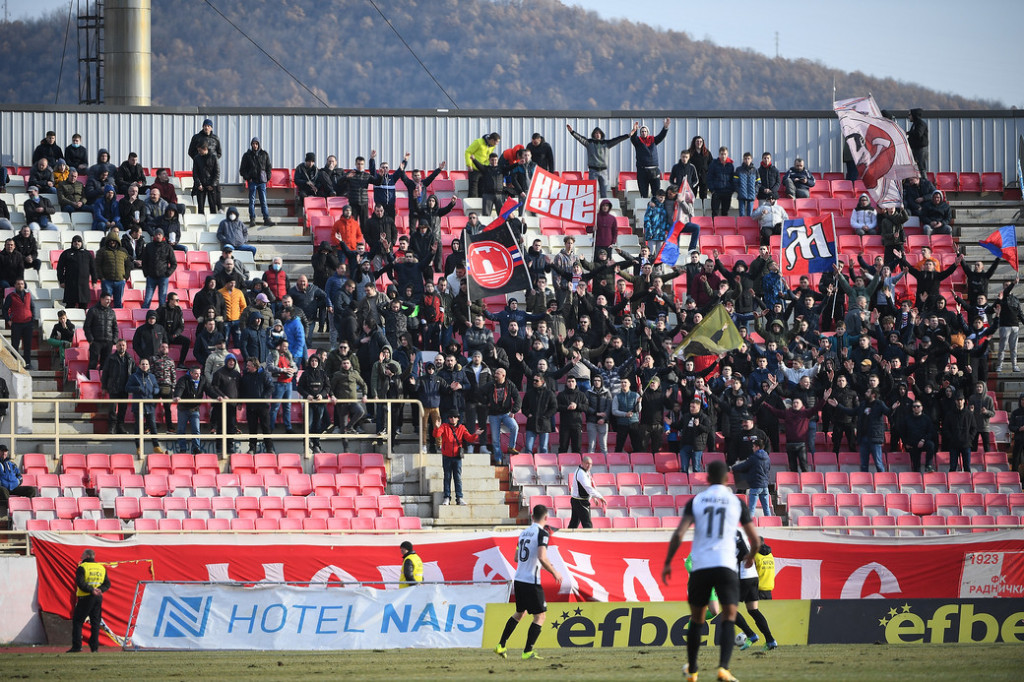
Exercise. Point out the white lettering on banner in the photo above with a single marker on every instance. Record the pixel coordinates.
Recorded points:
(324, 575)
(854, 585)
(807, 242)
(491, 564)
(582, 569)
(639, 571)
(392, 575)
(574, 201)
(289, 617)
(218, 573)
(810, 575)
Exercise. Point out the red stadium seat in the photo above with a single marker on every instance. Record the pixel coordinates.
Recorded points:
(947, 182)
(992, 182)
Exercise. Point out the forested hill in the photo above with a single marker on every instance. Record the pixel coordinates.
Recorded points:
(522, 54)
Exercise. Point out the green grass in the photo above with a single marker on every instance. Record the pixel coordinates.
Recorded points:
(821, 663)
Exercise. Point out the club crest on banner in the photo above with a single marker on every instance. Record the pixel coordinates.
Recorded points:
(570, 200)
(491, 264)
(808, 248)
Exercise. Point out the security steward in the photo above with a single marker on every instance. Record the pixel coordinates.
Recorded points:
(412, 565)
(582, 491)
(764, 561)
(92, 581)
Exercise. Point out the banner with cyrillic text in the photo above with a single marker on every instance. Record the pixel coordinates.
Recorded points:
(296, 618)
(574, 201)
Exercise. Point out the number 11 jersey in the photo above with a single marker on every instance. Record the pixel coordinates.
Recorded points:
(716, 513)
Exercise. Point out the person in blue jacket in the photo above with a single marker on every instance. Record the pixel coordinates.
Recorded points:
(106, 213)
(746, 181)
(143, 385)
(758, 469)
(720, 182)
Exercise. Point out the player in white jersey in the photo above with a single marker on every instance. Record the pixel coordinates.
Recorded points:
(531, 556)
(582, 491)
(749, 596)
(714, 515)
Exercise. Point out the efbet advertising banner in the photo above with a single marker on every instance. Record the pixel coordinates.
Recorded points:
(292, 618)
(603, 626)
(915, 621)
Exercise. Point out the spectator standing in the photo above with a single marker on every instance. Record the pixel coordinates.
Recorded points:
(480, 149)
(76, 269)
(113, 263)
(572, 406)
(191, 387)
(502, 402)
(626, 411)
(205, 136)
(539, 406)
(597, 155)
(758, 469)
(453, 438)
(542, 153)
(917, 137)
(91, 581)
(694, 429)
(142, 385)
(283, 368)
(720, 182)
(117, 369)
(234, 307)
(206, 178)
(648, 171)
(171, 318)
(314, 385)
(19, 311)
(158, 264)
(746, 180)
(416, 186)
(255, 171)
(48, 149)
(769, 176)
(357, 183)
(958, 433)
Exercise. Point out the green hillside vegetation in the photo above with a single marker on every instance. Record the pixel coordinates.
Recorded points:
(518, 54)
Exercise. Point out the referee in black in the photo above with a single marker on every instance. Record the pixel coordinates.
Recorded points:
(581, 490)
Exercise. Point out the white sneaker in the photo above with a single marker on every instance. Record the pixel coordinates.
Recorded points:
(461, 502)
(1016, 368)
(446, 501)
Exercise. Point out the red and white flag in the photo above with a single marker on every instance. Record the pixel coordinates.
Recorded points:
(878, 146)
(573, 201)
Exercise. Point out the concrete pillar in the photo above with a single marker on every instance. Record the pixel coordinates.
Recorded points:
(127, 50)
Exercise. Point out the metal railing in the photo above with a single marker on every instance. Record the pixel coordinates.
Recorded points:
(68, 411)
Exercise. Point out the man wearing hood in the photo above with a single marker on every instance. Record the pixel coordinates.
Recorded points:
(480, 149)
(102, 164)
(416, 185)
(142, 385)
(385, 383)
(597, 155)
(76, 269)
(936, 215)
(208, 297)
(149, 337)
(257, 383)
(917, 137)
(757, 468)
(255, 342)
(113, 264)
(294, 331)
(305, 177)
(158, 264)
(96, 187)
(224, 387)
(255, 171)
(234, 232)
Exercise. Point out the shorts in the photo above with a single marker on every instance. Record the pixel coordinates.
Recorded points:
(725, 581)
(529, 598)
(764, 594)
(748, 590)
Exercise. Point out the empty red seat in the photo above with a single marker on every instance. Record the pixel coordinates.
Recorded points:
(970, 182)
(992, 182)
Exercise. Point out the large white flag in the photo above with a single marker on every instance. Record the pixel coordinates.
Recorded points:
(878, 146)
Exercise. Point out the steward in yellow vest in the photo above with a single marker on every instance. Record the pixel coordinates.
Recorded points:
(91, 581)
(764, 562)
(412, 566)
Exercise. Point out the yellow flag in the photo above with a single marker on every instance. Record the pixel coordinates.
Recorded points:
(715, 334)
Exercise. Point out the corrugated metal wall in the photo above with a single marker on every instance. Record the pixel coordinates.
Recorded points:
(959, 142)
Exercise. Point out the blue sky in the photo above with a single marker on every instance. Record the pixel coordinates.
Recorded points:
(938, 43)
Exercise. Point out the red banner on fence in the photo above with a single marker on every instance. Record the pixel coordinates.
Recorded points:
(600, 566)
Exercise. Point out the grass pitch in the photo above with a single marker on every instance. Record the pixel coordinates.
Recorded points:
(832, 663)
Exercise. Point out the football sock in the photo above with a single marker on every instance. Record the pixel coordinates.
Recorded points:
(741, 623)
(727, 642)
(762, 624)
(510, 627)
(693, 636)
(531, 637)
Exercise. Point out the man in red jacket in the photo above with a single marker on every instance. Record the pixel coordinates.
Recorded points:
(453, 437)
(19, 310)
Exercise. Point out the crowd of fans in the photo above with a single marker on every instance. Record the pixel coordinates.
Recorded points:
(593, 342)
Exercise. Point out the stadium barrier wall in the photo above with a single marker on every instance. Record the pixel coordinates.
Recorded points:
(793, 622)
(605, 566)
(18, 601)
(22, 429)
(962, 141)
(283, 617)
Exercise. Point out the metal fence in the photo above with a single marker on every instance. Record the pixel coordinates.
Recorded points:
(960, 141)
(67, 411)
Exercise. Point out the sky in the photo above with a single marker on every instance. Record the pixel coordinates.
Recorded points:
(936, 43)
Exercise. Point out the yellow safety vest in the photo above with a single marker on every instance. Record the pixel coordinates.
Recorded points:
(765, 565)
(95, 575)
(417, 569)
